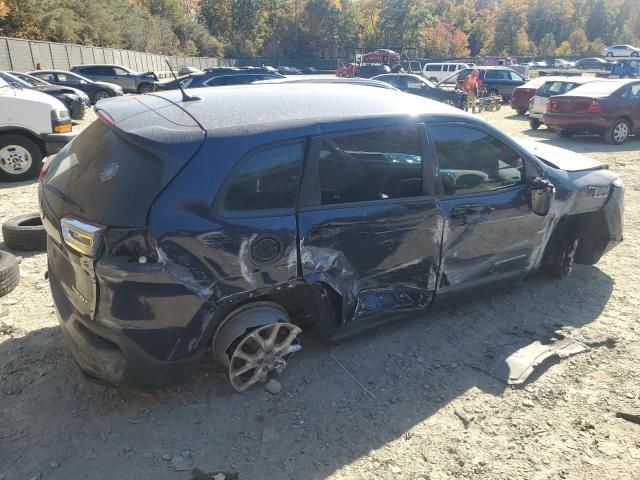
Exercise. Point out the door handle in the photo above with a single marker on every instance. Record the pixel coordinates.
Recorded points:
(462, 211)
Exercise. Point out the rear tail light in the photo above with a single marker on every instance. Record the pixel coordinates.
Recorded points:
(594, 107)
(550, 107)
(105, 117)
(45, 167)
(80, 236)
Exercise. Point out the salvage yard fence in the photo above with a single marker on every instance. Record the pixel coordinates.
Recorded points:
(23, 55)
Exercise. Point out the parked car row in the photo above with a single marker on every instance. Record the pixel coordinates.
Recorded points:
(76, 101)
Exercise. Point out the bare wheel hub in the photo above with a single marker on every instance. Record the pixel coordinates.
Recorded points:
(263, 350)
(15, 159)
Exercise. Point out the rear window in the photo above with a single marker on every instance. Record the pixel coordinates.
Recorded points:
(600, 89)
(112, 178)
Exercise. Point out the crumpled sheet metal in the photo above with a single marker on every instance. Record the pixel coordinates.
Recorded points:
(515, 368)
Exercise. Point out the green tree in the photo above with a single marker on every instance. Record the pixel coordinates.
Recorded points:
(511, 37)
(547, 45)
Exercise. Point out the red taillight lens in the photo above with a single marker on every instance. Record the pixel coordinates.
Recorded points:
(594, 107)
(45, 167)
(550, 107)
(105, 117)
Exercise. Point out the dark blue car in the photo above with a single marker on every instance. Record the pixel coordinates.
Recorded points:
(251, 216)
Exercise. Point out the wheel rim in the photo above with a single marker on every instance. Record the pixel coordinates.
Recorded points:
(621, 132)
(264, 350)
(634, 54)
(101, 96)
(449, 102)
(15, 159)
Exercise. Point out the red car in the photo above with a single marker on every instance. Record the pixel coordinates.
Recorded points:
(610, 108)
(346, 70)
(382, 55)
(522, 94)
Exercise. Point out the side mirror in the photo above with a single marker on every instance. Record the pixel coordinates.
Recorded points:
(541, 193)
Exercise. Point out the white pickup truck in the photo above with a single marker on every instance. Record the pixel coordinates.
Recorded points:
(32, 125)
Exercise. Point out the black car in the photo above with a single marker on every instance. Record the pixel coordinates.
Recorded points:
(95, 90)
(418, 85)
(368, 71)
(76, 101)
(496, 80)
(239, 221)
(217, 77)
(593, 63)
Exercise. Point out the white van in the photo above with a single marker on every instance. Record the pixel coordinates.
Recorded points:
(32, 125)
(436, 72)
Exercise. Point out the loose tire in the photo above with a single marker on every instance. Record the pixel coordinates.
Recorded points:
(100, 95)
(635, 54)
(25, 232)
(20, 158)
(9, 273)
(618, 133)
(534, 123)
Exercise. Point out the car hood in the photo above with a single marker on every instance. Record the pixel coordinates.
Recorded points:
(561, 158)
(54, 89)
(32, 96)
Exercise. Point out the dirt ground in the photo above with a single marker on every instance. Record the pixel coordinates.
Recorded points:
(428, 411)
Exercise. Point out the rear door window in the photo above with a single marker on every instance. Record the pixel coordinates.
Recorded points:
(266, 180)
(472, 161)
(376, 165)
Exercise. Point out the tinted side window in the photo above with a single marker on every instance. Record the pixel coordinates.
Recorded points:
(268, 179)
(472, 161)
(63, 77)
(515, 76)
(433, 68)
(491, 74)
(371, 166)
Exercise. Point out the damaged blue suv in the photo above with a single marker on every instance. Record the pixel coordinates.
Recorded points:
(239, 221)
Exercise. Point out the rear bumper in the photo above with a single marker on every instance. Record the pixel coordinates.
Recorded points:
(109, 357)
(576, 121)
(105, 351)
(54, 142)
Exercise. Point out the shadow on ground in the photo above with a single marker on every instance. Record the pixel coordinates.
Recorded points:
(322, 420)
(583, 143)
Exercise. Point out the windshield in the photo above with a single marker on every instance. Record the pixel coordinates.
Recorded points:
(451, 78)
(16, 82)
(36, 82)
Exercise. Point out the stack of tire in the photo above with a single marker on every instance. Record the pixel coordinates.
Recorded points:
(23, 233)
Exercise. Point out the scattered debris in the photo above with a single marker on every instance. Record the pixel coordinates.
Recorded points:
(197, 474)
(464, 417)
(528, 403)
(629, 417)
(273, 387)
(515, 367)
(353, 378)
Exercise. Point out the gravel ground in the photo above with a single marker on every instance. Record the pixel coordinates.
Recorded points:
(427, 411)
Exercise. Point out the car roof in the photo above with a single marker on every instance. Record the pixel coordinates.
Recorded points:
(573, 79)
(599, 88)
(100, 65)
(276, 106)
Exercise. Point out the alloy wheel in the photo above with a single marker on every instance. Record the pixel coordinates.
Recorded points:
(15, 159)
(620, 132)
(449, 102)
(262, 351)
(101, 96)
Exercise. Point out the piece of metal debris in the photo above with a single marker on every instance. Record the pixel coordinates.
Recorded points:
(629, 417)
(515, 368)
